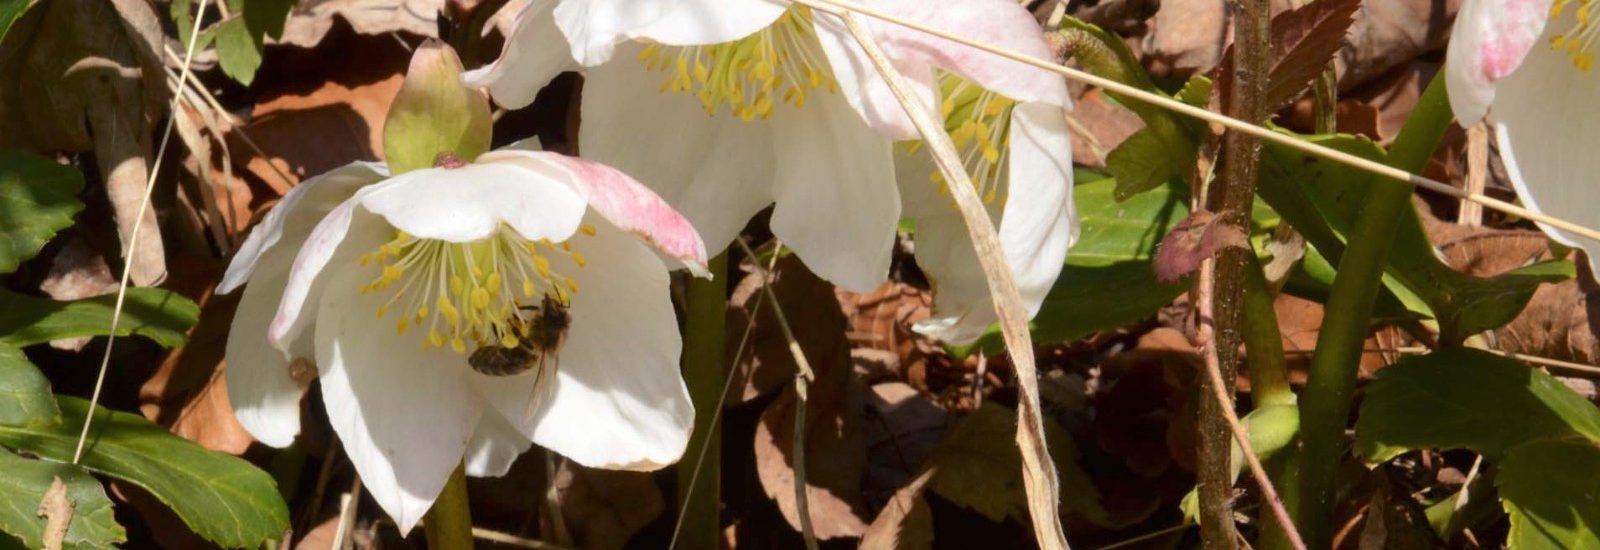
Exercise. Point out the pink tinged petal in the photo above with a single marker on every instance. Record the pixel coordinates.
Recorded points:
(265, 398)
(291, 220)
(695, 22)
(622, 200)
(1545, 122)
(714, 169)
(837, 202)
(1002, 23)
(862, 86)
(472, 202)
(340, 238)
(495, 445)
(1037, 227)
(535, 54)
(403, 414)
(1489, 40)
(616, 403)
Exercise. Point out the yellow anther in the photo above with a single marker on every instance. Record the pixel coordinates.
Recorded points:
(383, 310)
(400, 327)
(572, 284)
(586, 229)
(508, 340)
(458, 344)
(527, 288)
(480, 298)
(578, 258)
(784, 56)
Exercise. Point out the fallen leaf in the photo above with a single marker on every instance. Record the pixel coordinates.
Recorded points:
(57, 510)
(604, 508)
(1199, 236)
(906, 523)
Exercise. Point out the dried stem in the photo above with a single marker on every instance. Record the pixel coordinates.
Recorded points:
(1038, 472)
(1222, 280)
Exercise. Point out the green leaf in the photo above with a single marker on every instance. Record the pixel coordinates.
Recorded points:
(435, 114)
(1465, 398)
(157, 314)
(23, 487)
(10, 12)
(238, 50)
(37, 198)
(1143, 162)
(977, 465)
(1322, 199)
(222, 498)
(24, 391)
(1552, 494)
(241, 38)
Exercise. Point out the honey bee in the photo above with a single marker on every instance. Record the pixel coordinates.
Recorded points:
(539, 340)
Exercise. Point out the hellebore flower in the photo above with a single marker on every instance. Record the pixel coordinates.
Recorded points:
(396, 286)
(726, 107)
(1531, 61)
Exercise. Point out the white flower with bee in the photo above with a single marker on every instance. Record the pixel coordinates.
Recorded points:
(462, 311)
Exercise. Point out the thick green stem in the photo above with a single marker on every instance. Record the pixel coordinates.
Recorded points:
(1325, 405)
(700, 472)
(1269, 373)
(448, 524)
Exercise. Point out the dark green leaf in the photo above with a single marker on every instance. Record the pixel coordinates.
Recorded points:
(154, 313)
(1108, 281)
(1143, 162)
(1465, 398)
(24, 391)
(22, 487)
(37, 198)
(977, 465)
(10, 11)
(1552, 493)
(222, 498)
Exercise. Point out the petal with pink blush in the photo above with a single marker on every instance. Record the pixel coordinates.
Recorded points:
(1489, 41)
(621, 200)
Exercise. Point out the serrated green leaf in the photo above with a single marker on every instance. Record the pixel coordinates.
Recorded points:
(238, 52)
(435, 114)
(157, 314)
(1322, 199)
(24, 391)
(37, 198)
(22, 487)
(1552, 494)
(1463, 398)
(222, 498)
(977, 465)
(1196, 92)
(1142, 162)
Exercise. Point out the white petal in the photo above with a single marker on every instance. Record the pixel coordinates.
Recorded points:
(404, 414)
(470, 203)
(1488, 42)
(694, 22)
(837, 203)
(339, 239)
(1039, 224)
(265, 399)
(1545, 121)
(291, 220)
(864, 88)
(495, 445)
(620, 199)
(617, 400)
(1002, 23)
(535, 53)
(715, 169)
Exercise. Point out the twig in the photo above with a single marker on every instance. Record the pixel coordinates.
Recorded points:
(347, 512)
(1038, 472)
(738, 354)
(1220, 391)
(133, 238)
(1471, 214)
(802, 378)
(1286, 140)
(509, 539)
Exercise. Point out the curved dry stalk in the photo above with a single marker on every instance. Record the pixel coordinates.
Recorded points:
(843, 6)
(133, 240)
(1038, 472)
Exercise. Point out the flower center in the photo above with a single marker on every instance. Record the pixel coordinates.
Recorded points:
(470, 292)
(1578, 42)
(748, 74)
(979, 123)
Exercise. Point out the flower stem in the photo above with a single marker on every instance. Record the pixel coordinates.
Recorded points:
(1269, 374)
(1325, 405)
(448, 525)
(699, 475)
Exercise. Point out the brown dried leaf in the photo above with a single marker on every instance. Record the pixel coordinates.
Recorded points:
(1304, 40)
(813, 312)
(312, 19)
(188, 393)
(1197, 237)
(57, 510)
(603, 508)
(906, 523)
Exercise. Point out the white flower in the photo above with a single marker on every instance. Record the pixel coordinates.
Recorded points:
(1532, 62)
(727, 106)
(389, 283)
